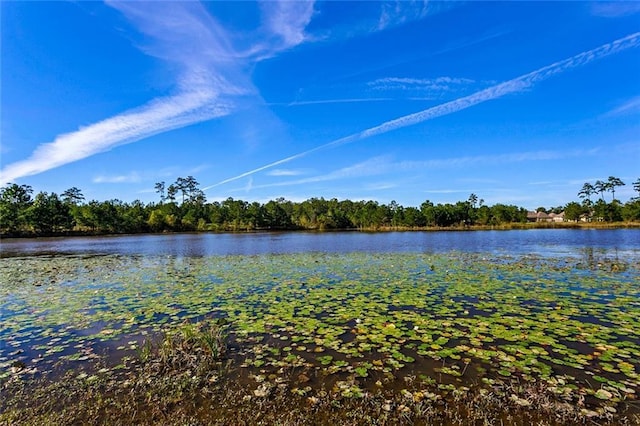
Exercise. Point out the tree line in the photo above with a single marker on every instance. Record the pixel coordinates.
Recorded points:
(601, 210)
(183, 207)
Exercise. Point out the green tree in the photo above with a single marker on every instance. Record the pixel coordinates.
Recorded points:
(14, 201)
(428, 212)
(19, 195)
(276, 216)
(48, 214)
(172, 191)
(160, 188)
(134, 217)
(473, 200)
(86, 215)
(502, 213)
(573, 211)
(612, 183)
(414, 217)
(189, 188)
(601, 187)
(181, 186)
(631, 210)
(72, 196)
(235, 213)
(607, 212)
(636, 187)
(586, 192)
(156, 220)
(396, 213)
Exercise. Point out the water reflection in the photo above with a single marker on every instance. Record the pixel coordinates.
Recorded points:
(544, 242)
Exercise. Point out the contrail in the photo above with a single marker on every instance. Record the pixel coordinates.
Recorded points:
(490, 93)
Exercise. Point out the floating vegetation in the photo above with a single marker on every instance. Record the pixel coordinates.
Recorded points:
(415, 327)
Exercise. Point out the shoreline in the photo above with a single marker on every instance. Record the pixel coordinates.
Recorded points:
(500, 227)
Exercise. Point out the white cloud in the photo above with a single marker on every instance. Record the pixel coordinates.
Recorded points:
(370, 167)
(614, 9)
(515, 85)
(447, 191)
(288, 20)
(485, 160)
(206, 86)
(285, 172)
(398, 12)
(380, 186)
(542, 182)
(197, 169)
(479, 181)
(211, 80)
(249, 185)
(383, 165)
(338, 101)
(438, 84)
(630, 106)
(158, 116)
(133, 177)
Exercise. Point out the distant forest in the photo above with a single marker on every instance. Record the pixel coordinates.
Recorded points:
(182, 206)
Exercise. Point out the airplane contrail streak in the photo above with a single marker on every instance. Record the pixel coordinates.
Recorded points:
(510, 86)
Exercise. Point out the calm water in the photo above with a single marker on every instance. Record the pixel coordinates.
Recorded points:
(545, 242)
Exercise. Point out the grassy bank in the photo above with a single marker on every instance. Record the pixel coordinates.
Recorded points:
(222, 230)
(515, 225)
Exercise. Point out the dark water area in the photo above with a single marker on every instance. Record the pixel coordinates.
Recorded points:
(540, 242)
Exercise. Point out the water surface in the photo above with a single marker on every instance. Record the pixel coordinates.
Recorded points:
(536, 241)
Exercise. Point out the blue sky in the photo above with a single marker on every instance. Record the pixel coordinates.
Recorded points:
(517, 102)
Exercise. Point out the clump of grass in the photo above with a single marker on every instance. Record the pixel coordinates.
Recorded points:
(167, 384)
(192, 345)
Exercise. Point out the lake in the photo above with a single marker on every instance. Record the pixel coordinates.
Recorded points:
(536, 241)
(348, 311)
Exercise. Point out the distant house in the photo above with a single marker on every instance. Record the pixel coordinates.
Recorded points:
(537, 217)
(544, 217)
(556, 217)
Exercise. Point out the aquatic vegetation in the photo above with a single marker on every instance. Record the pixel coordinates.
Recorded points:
(350, 325)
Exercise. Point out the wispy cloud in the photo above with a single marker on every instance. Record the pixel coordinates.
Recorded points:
(542, 182)
(210, 83)
(338, 101)
(156, 117)
(288, 20)
(630, 106)
(380, 186)
(370, 167)
(133, 177)
(381, 165)
(146, 191)
(614, 9)
(398, 12)
(483, 181)
(488, 160)
(283, 27)
(447, 191)
(515, 85)
(206, 86)
(149, 175)
(285, 172)
(437, 85)
(249, 184)
(398, 88)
